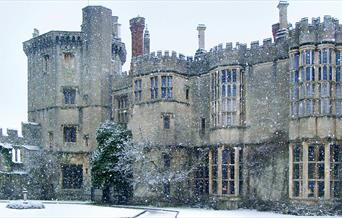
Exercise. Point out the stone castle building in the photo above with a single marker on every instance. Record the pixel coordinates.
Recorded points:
(259, 122)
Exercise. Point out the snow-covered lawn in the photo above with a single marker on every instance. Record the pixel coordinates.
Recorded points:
(67, 211)
(80, 210)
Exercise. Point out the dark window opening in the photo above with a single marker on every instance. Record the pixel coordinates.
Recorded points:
(72, 176)
(202, 125)
(50, 139)
(187, 93)
(46, 63)
(69, 96)
(166, 187)
(69, 134)
(167, 161)
(166, 119)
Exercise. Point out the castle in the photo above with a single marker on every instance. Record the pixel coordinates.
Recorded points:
(264, 121)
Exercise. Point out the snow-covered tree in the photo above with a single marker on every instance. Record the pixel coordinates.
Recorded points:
(111, 138)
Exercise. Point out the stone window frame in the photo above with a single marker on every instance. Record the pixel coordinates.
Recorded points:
(306, 95)
(216, 170)
(154, 87)
(138, 90)
(75, 126)
(166, 86)
(201, 171)
(71, 100)
(335, 164)
(122, 109)
(226, 107)
(304, 166)
(167, 122)
(16, 155)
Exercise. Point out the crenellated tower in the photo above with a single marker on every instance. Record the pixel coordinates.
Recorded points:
(70, 92)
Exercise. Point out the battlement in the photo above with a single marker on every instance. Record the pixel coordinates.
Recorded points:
(219, 55)
(31, 135)
(51, 39)
(241, 55)
(159, 61)
(315, 32)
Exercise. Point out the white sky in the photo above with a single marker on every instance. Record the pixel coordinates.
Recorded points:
(172, 26)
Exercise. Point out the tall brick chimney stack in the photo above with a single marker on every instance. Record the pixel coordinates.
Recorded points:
(137, 26)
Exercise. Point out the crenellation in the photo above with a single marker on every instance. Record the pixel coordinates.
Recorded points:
(51, 39)
(255, 45)
(267, 43)
(161, 62)
(229, 46)
(12, 133)
(166, 53)
(159, 54)
(317, 31)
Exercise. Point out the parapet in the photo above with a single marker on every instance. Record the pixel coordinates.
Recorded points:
(31, 135)
(121, 81)
(159, 62)
(51, 39)
(241, 55)
(328, 31)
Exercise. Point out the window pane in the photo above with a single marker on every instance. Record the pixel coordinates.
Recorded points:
(311, 153)
(321, 171)
(296, 171)
(225, 156)
(311, 188)
(234, 75)
(231, 188)
(320, 189)
(296, 189)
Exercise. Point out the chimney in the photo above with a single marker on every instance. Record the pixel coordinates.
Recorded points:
(201, 36)
(146, 41)
(137, 26)
(116, 28)
(282, 6)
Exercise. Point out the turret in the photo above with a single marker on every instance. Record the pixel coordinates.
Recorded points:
(137, 26)
(146, 41)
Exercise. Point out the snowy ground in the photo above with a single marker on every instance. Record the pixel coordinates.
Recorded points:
(87, 211)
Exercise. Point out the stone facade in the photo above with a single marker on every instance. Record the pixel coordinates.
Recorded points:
(231, 116)
(16, 155)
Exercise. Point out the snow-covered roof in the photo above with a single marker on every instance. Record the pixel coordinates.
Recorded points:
(31, 123)
(31, 147)
(6, 145)
(14, 172)
(10, 146)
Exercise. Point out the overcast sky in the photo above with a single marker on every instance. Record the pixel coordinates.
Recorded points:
(172, 26)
